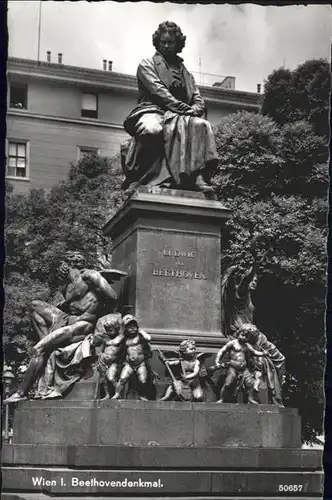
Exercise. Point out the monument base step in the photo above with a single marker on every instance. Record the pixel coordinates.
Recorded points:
(161, 450)
(57, 482)
(34, 496)
(150, 457)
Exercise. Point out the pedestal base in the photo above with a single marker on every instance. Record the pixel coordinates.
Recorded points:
(156, 423)
(125, 449)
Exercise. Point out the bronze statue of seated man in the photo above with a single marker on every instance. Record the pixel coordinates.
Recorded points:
(68, 323)
(172, 145)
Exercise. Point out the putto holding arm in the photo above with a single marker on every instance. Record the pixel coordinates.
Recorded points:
(239, 376)
(172, 144)
(109, 334)
(271, 367)
(137, 352)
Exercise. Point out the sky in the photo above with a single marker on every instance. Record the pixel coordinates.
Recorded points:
(246, 41)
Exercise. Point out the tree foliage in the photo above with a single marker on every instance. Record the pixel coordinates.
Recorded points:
(41, 226)
(274, 177)
(302, 94)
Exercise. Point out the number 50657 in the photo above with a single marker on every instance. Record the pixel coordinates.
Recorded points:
(290, 487)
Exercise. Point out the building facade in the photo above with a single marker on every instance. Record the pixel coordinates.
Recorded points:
(56, 113)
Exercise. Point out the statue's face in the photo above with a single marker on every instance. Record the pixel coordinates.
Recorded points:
(242, 338)
(132, 329)
(190, 351)
(167, 45)
(112, 329)
(253, 283)
(76, 261)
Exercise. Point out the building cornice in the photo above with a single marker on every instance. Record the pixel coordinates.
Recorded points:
(120, 82)
(80, 121)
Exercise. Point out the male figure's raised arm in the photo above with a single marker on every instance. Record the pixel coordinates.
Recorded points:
(246, 280)
(148, 77)
(99, 284)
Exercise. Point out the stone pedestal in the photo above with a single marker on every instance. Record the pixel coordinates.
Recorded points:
(125, 449)
(157, 423)
(169, 242)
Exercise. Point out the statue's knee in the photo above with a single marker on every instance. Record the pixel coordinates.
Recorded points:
(151, 132)
(155, 130)
(202, 124)
(150, 125)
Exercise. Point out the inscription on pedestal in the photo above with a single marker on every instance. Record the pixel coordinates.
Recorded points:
(176, 273)
(179, 280)
(177, 257)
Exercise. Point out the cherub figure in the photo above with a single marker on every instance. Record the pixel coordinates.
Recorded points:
(137, 352)
(240, 352)
(110, 335)
(271, 367)
(186, 386)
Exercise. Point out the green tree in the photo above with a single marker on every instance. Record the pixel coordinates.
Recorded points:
(265, 175)
(41, 226)
(302, 94)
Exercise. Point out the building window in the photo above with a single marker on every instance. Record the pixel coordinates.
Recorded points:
(86, 151)
(18, 159)
(18, 96)
(89, 106)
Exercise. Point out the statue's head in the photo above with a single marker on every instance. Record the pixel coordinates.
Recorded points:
(130, 325)
(72, 259)
(168, 39)
(187, 349)
(113, 324)
(75, 259)
(253, 282)
(248, 333)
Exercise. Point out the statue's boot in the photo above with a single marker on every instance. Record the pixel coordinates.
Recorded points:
(202, 185)
(14, 398)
